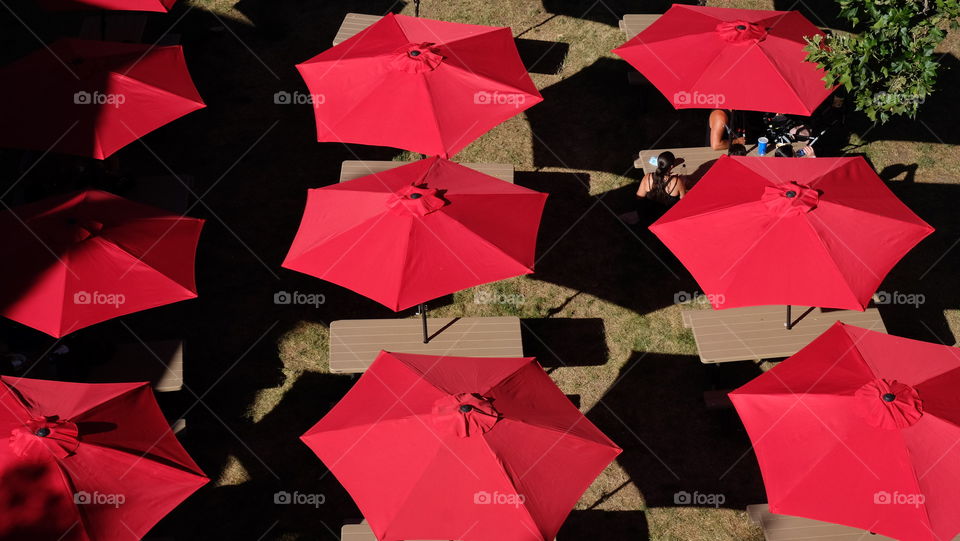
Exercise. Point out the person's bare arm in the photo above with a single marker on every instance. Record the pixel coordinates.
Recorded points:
(718, 122)
(644, 189)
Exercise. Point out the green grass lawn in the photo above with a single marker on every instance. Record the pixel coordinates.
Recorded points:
(261, 369)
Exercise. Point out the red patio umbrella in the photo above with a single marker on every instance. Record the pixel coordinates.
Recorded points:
(82, 462)
(417, 232)
(108, 5)
(82, 258)
(462, 448)
(426, 86)
(796, 231)
(861, 428)
(91, 98)
(730, 59)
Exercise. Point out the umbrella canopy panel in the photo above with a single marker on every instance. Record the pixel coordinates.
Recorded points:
(708, 57)
(797, 231)
(417, 232)
(421, 85)
(87, 257)
(861, 428)
(91, 98)
(460, 448)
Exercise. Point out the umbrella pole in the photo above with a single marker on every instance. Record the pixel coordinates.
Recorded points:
(789, 323)
(103, 24)
(416, 12)
(423, 317)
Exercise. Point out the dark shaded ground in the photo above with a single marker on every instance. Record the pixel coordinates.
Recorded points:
(671, 442)
(253, 211)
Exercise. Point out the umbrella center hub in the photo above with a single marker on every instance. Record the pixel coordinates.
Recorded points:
(416, 200)
(417, 58)
(465, 415)
(889, 404)
(790, 199)
(84, 229)
(45, 435)
(741, 32)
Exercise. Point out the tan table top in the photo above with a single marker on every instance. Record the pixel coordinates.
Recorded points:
(352, 169)
(634, 23)
(352, 24)
(787, 528)
(355, 343)
(357, 532)
(755, 333)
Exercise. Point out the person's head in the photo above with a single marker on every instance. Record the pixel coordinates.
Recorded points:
(784, 151)
(737, 149)
(665, 162)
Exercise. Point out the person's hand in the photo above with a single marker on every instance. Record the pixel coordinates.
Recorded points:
(808, 152)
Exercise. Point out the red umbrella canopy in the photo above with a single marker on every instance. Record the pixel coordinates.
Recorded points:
(812, 232)
(86, 257)
(91, 98)
(417, 232)
(111, 5)
(426, 86)
(861, 428)
(81, 462)
(460, 448)
(730, 59)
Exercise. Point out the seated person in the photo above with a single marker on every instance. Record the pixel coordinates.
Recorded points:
(786, 151)
(737, 149)
(662, 186)
(721, 132)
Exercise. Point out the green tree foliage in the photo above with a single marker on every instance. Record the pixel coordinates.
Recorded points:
(889, 67)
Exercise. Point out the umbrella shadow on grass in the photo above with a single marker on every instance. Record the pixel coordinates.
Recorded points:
(614, 525)
(594, 120)
(584, 246)
(249, 509)
(923, 284)
(557, 342)
(608, 11)
(671, 442)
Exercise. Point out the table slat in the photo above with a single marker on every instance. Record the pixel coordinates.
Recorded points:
(354, 344)
(352, 169)
(787, 528)
(352, 24)
(758, 332)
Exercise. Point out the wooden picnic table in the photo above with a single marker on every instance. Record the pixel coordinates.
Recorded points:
(159, 362)
(755, 333)
(351, 169)
(355, 343)
(634, 23)
(168, 192)
(352, 24)
(125, 27)
(787, 528)
(696, 160)
(357, 532)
